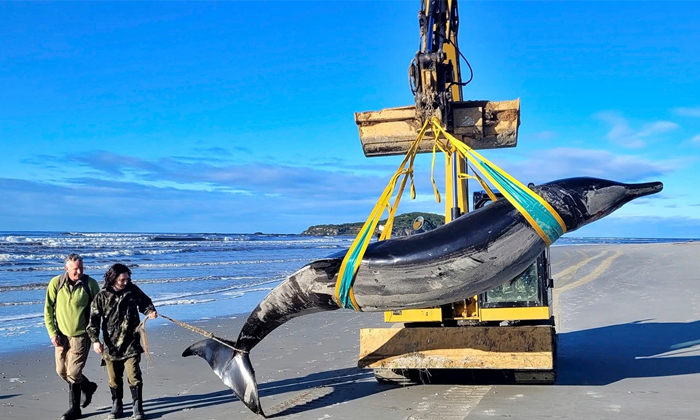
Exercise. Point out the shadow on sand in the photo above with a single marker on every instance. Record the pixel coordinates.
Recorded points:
(159, 407)
(641, 349)
(597, 356)
(326, 388)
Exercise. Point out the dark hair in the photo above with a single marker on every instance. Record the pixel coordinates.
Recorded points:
(115, 271)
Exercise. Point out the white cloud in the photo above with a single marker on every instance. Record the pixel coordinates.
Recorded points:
(544, 135)
(687, 112)
(224, 196)
(198, 194)
(621, 133)
(135, 207)
(565, 162)
(696, 139)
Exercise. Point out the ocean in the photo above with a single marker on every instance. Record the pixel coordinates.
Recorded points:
(188, 276)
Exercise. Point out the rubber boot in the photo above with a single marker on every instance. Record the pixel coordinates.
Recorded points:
(88, 389)
(137, 396)
(73, 403)
(117, 404)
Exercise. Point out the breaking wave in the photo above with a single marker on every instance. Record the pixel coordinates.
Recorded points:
(194, 274)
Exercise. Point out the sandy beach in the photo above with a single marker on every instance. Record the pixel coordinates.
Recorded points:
(629, 347)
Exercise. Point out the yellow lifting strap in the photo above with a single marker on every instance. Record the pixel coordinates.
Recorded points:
(541, 216)
(539, 213)
(344, 296)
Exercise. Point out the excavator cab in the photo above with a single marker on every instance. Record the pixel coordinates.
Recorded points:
(525, 299)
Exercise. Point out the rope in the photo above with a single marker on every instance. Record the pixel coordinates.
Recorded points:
(144, 339)
(540, 214)
(207, 334)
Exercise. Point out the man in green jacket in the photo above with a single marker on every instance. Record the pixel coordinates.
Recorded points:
(66, 315)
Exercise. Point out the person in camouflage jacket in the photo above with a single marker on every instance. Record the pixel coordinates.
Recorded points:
(116, 310)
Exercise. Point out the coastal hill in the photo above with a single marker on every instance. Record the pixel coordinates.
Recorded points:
(403, 226)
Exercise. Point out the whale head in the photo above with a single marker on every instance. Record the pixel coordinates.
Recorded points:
(580, 201)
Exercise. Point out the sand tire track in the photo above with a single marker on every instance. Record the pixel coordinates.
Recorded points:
(294, 405)
(454, 404)
(568, 272)
(600, 269)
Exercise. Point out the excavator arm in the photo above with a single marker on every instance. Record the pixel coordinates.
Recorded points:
(436, 84)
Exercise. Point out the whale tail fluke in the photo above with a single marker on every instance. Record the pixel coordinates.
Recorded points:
(232, 366)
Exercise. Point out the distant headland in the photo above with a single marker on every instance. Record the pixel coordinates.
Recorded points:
(403, 226)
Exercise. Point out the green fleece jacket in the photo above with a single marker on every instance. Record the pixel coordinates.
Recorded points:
(66, 311)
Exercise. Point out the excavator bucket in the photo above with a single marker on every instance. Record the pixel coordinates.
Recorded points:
(479, 124)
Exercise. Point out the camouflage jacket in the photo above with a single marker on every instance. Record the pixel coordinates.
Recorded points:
(118, 314)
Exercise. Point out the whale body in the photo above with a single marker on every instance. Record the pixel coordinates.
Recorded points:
(471, 255)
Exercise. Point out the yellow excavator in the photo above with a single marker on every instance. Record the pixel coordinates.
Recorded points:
(508, 329)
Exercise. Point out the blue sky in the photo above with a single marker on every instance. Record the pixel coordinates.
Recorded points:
(238, 116)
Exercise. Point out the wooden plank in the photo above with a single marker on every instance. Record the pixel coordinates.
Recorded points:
(472, 347)
(479, 124)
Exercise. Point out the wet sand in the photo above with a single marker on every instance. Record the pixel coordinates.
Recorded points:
(629, 347)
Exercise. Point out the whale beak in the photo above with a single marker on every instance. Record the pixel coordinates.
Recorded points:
(233, 367)
(640, 190)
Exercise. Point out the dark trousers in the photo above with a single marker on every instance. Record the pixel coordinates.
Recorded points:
(116, 368)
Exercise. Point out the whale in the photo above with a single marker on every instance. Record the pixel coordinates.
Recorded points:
(470, 255)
